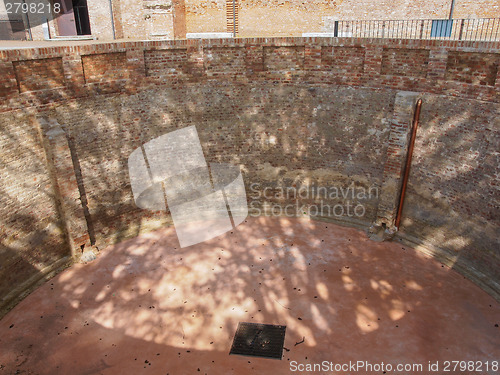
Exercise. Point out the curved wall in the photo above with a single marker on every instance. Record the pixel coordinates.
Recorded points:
(326, 118)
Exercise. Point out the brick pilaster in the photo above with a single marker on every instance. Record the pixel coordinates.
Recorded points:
(438, 59)
(136, 69)
(312, 62)
(8, 83)
(254, 59)
(179, 19)
(195, 56)
(67, 195)
(73, 73)
(373, 61)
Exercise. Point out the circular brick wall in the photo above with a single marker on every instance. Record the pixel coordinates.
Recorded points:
(326, 118)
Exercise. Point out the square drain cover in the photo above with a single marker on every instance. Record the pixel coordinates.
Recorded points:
(259, 340)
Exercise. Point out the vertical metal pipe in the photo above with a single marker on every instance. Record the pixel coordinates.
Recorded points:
(451, 9)
(497, 30)
(494, 33)
(411, 146)
(48, 28)
(112, 18)
(461, 30)
(79, 30)
(28, 25)
(234, 18)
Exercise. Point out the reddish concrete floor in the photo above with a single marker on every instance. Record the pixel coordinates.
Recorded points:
(146, 306)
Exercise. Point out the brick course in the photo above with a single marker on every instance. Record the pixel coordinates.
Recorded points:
(467, 69)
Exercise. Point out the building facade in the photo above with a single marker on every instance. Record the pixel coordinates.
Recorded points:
(173, 19)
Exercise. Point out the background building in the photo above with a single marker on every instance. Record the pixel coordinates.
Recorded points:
(172, 19)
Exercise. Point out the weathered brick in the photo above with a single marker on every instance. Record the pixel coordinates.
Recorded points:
(318, 111)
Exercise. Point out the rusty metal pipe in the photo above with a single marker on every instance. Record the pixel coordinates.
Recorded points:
(416, 118)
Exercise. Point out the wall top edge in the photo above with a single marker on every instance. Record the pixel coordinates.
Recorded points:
(96, 48)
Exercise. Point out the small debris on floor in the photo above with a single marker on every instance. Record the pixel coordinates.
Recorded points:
(300, 342)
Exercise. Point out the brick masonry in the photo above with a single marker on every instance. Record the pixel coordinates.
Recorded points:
(31, 232)
(289, 111)
(343, 59)
(271, 18)
(63, 175)
(49, 74)
(224, 61)
(405, 62)
(283, 58)
(168, 63)
(474, 68)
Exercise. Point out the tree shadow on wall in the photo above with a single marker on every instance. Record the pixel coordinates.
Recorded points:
(31, 238)
(452, 200)
(106, 130)
(335, 136)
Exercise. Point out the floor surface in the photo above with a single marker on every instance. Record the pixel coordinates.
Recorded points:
(147, 306)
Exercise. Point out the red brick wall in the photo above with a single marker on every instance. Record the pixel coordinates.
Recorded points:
(224, 61)
(40, 74)
(289, 58)
(8, 81)
(286, 110)
(31, 236)
(171, 62)
(405, 62)
(452, 199)
(109, 70)
(472, 68)
(467, 69)
(343, 59)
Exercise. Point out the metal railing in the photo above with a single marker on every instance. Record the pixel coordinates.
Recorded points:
(479, 29)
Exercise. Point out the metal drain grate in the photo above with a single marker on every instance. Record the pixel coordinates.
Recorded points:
(259, 340)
